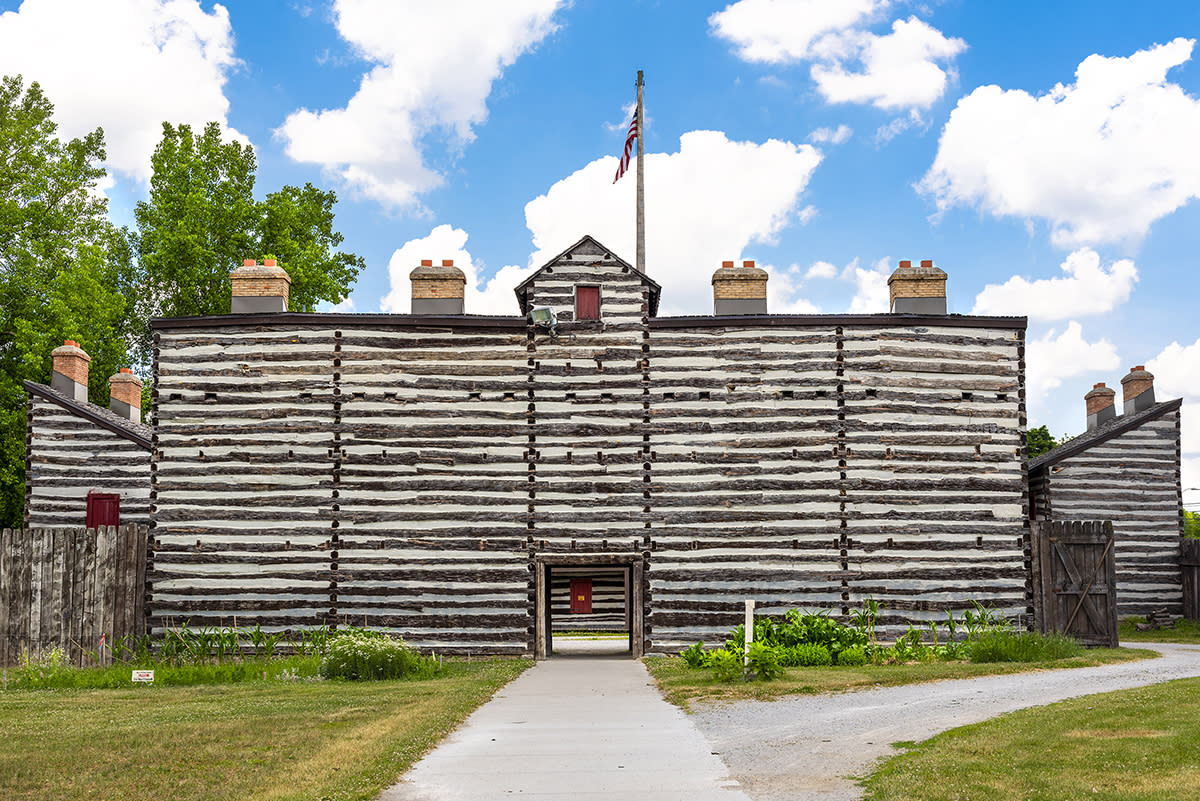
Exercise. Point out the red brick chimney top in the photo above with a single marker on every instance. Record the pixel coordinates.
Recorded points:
(426, 262)
(904, 265)
(926, 263)
(447, 262)
(749, 263)
(71, 342)
(727, 264)
(248, 263)
(269, 262)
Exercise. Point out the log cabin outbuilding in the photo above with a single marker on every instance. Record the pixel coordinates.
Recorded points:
(439, 473)
(1124, 468)
(85, 465)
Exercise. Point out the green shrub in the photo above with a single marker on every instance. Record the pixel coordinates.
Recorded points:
(764, 661)
(1022, 646)
(808, 654)
(694, 656)
(855, 656)
(359, 655)
(726, 665)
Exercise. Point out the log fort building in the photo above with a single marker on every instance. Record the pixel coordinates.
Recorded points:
(439, 473)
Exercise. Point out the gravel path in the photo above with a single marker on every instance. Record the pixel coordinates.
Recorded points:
(804, 748)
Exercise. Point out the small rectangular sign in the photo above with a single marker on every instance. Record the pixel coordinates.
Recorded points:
(143, 675)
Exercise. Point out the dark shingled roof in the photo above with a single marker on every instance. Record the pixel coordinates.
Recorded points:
(1103, 433)
(137, 433)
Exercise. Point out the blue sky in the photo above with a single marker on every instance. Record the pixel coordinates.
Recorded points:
(1046, 155)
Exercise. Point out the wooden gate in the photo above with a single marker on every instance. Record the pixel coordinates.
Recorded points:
(1189, 565)
(1074, 579)
(73, 588)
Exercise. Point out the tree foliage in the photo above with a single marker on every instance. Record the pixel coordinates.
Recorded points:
(65, 270)
(1191, 524)
(1039, 440)
(201, 220)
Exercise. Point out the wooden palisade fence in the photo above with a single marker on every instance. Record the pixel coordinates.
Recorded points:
(78, 589)
(1074, 579)
(1189, 563)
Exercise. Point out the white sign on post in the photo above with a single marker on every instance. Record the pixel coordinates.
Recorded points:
(749, 628)
(144, 676)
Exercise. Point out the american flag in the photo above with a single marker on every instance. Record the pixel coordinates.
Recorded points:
(624, 165)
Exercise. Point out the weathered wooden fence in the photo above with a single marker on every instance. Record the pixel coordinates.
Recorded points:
(1074, 579)
(75, 588)
(1189, 564)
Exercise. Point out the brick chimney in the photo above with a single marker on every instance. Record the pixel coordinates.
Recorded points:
(917, 290)
(437, 290)
(259, 288)
(1138, 389)
(70, 372)
(739, 290)
(1101, 406)
(125, 394)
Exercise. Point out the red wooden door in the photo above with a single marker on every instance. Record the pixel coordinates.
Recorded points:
(103, 509)
(587, 303)
(581, 596)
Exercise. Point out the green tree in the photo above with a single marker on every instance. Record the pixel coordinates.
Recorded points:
(1038, 441)
(201, 220)
(198, 223)
(65, 270)
(1191, 524)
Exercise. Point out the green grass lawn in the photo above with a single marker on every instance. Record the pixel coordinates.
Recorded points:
(1182, 631)
(258, 739)
(1134, 744)
(681, 684)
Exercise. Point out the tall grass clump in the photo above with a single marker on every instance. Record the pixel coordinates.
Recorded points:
(1023, 646)
(366, 655)
(808, 639)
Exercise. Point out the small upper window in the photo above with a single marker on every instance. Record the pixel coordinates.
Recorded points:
(103, 509)
(587, 303)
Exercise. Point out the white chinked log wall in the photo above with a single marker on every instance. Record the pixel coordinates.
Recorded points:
(1133, 480)
(68, 456)
(405, 473)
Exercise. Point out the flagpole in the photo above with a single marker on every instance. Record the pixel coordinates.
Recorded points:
(641, 200)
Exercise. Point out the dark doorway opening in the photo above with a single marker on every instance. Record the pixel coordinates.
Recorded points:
(588, 605)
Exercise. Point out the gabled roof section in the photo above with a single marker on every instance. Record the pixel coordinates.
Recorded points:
(137, 433)
(1102, 433)
(589, 246)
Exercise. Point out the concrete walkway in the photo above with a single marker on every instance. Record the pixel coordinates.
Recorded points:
(573, 727)
(806, 748)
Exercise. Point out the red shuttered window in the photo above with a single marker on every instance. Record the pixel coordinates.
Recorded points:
(587, 303)
(103, 509)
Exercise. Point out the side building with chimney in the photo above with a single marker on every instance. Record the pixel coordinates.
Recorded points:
(441, 473)
(1124, 468)
(85, 465)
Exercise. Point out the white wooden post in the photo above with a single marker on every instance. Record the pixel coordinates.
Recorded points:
(749, 631)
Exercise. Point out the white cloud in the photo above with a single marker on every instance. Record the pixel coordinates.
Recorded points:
(1087, 289)
(834, 136)
(1176, 373)
(1101, 159)
(125, 65)
(870, 287)
(888, 132)
(908, 68)
(821, 269)
(774, 32)
(622, 125)
(783, 293)
(704, 204)
(494, 296)
(1056, 356)
(434, 68)
(899, 70)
